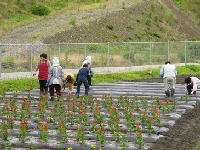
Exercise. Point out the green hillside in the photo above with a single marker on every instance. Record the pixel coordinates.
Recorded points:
(131, 20)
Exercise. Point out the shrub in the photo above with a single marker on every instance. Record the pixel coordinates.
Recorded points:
(129, 26)
(115, 35)
(156, 34)
(138, 20)
(39, 9)
(110, 26)
(123, 5)
(161, 28)
(21, 3)
(138, 35)
(156, 18)
(153, 7)
(150, 14)
(148, 21)
(73, 20)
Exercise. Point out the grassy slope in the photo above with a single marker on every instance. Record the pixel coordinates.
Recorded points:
(191, 7)
(32, 83)
(126, 26)
(16, 13)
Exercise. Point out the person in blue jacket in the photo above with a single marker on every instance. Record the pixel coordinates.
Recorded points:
(82, 78)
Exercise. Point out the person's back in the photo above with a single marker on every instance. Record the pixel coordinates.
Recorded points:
(169, 70)
(168, 73)
(83, 72)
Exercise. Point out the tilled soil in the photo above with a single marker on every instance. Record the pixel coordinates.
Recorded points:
(186, 132)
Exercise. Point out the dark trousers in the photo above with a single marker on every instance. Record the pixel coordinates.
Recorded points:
(43, 86)
(56, 86)
(190, 88)
(82, 79)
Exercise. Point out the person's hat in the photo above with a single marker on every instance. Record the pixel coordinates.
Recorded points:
(55, 61)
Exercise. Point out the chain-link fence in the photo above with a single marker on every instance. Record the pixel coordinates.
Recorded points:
(20, 60)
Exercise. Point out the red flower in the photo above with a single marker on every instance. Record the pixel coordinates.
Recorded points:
(4, 91)
(140, 133)
(98, 129)
(57, 92)
(6, 130)
(26, 121)
(46, 98)
(77, 127)
(45, 128)
(82, 130)
(174, 101)
(60, 125)
(137, 123)
(117, 123)
(94, 121)
(42, 120)
(104, 132)
(117, 130)
(117, 115)
(8, 111)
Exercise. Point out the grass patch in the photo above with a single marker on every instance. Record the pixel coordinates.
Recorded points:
(33, 83)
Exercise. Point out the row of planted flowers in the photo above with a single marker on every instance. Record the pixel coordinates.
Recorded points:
(84, 112)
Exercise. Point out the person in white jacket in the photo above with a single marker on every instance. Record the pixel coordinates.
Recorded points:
(88, 62)
(191, 85)
(168, 72)
(55, 78)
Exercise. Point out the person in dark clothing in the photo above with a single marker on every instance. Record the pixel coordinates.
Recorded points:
(82, 78)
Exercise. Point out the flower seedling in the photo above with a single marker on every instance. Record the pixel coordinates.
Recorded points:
(139, 139)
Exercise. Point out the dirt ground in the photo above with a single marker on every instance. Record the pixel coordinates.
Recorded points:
(186, 132)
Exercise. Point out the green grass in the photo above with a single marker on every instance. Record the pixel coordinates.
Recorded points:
(32, 83)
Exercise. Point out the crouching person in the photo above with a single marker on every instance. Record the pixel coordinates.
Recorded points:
(191, 85)
(68, 82)
(55, 78)
(82, 78)
(168, 72)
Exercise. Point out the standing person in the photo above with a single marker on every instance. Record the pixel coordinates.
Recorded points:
(82, 78)
(90, 74)
(43, 66)
(168, 72)
(191, 85)
(55, 78)
(68, 82)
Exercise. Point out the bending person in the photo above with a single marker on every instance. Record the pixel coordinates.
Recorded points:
(191, 85)
(68, 82)
(168, 72)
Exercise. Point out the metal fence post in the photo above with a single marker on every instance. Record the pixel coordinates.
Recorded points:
(185, 52)
(59, 52)
(31, 59)
(0, 60)
(108, 55)
(130, 57)
(168, 52)
(85, 49)
(150, 53)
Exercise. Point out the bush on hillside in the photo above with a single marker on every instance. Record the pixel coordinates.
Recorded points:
(39, 9)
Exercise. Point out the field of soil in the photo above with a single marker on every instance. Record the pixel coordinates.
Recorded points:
(186, 132)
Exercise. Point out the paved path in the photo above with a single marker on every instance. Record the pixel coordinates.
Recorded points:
(98, 70)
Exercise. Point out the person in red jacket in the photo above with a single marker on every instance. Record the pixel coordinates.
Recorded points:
(43, 66)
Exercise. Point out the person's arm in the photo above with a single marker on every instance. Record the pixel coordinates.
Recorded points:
(175, 71)
(50, 72)
(48, 63)
(162, 72)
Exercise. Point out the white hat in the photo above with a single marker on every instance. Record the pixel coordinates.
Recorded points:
(88, 58)
(55, 61)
